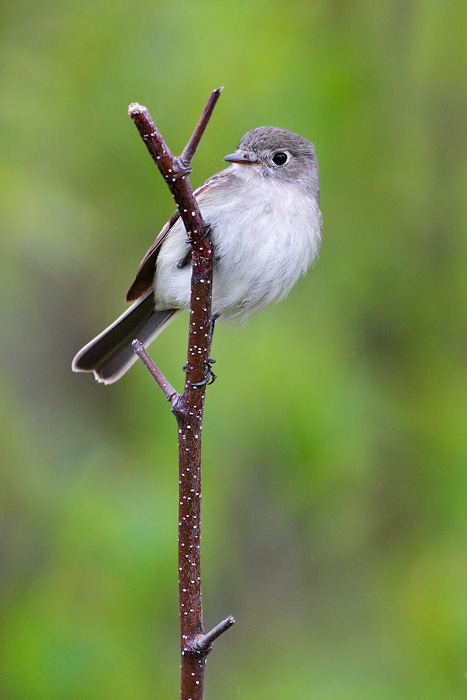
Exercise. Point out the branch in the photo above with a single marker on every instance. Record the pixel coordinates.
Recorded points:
(174, 169)
(192, 145)
(170, 394)
(189, 407)
(203, 642)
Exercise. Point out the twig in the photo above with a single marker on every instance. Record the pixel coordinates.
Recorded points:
(192, 145)
(204, 642)
(170, 394)
(189, 407)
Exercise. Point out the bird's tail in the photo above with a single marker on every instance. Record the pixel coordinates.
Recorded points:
(110, 354)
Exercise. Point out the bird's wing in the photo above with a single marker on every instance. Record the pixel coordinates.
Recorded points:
(145, 275)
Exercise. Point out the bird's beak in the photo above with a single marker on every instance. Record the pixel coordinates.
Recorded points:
(242, 157)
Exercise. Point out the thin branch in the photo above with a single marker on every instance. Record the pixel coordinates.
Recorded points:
(149, 132)
(192, 145)
(204, 641)
(170, 394)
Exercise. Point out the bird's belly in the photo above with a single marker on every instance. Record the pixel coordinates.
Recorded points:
(261, 266)
(257, 259)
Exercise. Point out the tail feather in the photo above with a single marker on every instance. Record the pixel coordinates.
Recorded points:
(110, 354)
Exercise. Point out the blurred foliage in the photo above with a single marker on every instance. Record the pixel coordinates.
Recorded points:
(335, 445)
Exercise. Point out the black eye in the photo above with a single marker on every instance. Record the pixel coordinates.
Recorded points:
(280, 158)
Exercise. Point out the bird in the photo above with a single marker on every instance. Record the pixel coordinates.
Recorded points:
(265, 228)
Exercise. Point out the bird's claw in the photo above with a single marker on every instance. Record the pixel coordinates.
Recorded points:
(210, 377)
(183, 262)
(207, 231)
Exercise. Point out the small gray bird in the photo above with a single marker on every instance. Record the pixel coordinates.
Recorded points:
(265, 228)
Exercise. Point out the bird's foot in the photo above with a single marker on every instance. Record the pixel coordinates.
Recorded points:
(210, 377)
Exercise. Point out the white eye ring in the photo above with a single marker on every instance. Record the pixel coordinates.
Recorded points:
(281, 158)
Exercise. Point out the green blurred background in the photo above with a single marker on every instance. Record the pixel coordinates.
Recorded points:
(335, 442)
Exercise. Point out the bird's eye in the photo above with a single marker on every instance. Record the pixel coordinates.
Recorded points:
(280, 158)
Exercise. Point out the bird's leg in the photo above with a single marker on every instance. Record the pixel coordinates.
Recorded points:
(214, 318)
(210, 377)
(183, 262)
